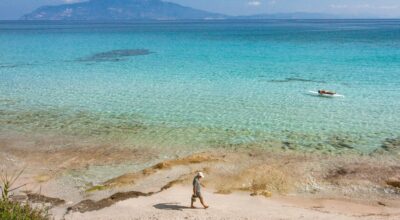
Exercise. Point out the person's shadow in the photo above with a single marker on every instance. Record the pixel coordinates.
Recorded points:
(170, 206)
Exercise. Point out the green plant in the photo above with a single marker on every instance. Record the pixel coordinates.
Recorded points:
(6, 184)
(13, 210)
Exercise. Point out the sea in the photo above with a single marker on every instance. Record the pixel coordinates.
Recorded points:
(198, 85)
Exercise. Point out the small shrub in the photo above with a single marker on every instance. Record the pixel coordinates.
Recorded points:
(12, 210)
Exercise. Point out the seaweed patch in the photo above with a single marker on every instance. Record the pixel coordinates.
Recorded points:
(115, 55)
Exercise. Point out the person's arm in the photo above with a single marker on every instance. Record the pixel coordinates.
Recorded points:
(195, 188)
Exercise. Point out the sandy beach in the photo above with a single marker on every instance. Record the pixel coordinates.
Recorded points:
(252, 183)
(174, 204)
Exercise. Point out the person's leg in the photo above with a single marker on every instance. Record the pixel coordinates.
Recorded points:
(202, 202)
(191, 204)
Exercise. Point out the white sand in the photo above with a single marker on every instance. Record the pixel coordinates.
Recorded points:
(174, 203)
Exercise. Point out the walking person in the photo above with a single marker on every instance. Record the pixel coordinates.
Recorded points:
(197, 190)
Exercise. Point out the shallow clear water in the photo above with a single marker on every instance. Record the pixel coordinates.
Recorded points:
(205, 84)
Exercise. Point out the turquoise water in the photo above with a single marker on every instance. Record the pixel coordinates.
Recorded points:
(204, 84)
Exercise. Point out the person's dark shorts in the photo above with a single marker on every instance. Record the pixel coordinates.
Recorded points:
(194, 196)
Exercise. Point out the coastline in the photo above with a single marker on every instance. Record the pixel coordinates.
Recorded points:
(113, 121)
(86, 181)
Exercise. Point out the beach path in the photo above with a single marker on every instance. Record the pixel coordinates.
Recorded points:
(174, 204)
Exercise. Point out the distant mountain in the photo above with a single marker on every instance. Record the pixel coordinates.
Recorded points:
(106, 10)
(119, 10)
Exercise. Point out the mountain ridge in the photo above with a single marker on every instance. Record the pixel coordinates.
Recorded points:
(115, 10)
(119, 10)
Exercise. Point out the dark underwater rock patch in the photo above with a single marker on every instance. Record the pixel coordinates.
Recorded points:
(389, 146)
(293, 79)
(288, 146)
(341, 142)
(75, 123)
(115, 55)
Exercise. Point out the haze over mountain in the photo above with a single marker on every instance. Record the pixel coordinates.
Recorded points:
(120, 10)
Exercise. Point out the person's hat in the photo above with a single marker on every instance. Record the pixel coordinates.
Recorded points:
(200, 174)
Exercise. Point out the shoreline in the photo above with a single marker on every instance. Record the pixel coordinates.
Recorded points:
(99, 180)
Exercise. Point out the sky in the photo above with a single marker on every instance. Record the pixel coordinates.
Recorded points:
(14, 9)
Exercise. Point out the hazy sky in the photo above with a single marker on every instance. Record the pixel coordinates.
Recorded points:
(13, 9)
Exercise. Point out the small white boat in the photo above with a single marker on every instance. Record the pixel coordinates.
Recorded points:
(325, 95)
